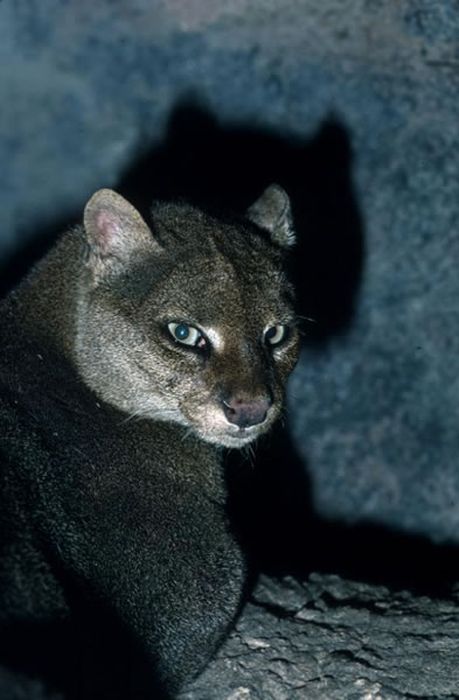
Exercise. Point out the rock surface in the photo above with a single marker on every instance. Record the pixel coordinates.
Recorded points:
(332, 639)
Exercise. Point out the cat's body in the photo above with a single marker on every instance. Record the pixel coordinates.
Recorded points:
(128, 359)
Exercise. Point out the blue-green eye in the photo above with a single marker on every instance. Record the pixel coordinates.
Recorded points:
(186, 334)
(274, 335)
(181, 331)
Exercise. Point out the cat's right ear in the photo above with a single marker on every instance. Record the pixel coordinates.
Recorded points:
(116, 233)
(272, 212)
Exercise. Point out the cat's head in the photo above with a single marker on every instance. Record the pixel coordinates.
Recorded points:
(191, 320)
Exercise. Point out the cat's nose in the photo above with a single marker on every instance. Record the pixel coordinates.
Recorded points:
(246, 412)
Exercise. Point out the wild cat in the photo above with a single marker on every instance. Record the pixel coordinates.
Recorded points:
(120, 572)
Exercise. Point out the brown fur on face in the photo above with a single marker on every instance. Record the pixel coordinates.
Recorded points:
(224, 279)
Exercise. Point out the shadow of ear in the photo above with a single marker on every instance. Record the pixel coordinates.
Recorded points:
(223, 168)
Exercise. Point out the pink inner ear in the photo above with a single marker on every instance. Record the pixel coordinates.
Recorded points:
(108, 229)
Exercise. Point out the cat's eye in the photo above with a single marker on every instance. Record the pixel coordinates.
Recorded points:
(274, 335)
(187, 335)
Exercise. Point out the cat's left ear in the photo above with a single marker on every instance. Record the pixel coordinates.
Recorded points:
(272, 212)
(116, 234)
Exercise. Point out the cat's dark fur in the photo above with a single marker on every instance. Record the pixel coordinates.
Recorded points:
(129, 356)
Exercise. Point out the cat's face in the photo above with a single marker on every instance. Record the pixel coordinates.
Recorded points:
(198, 329)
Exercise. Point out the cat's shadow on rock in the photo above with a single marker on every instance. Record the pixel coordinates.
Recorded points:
(224, 168)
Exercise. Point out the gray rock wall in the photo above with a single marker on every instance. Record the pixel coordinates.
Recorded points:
(88, 87)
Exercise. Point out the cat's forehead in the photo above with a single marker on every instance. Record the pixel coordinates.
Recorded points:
(223, 273)
(215, 271)
(183, 229)
(215, 290)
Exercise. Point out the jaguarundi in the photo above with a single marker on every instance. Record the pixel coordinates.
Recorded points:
(131, 357)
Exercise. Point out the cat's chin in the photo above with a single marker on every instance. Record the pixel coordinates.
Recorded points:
(212, 427)
(231, 437)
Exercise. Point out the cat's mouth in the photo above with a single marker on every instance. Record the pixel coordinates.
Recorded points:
(211, 424)
(241, 436)
(233, 439)
(228, 435)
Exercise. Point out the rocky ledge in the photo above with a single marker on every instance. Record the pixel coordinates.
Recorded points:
(329, 638)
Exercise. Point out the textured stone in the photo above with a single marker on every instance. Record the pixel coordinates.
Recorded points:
(336, 639)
